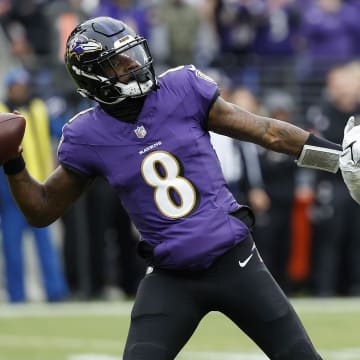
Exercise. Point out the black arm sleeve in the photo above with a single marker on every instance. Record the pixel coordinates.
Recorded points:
(314, 140)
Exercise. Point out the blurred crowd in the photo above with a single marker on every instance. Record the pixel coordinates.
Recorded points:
(295, 60)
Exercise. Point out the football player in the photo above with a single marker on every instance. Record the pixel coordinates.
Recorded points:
(350, 157)
(149, 138)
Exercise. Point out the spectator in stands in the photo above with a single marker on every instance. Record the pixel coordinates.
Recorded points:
(273, 198)
(6, 16)
(100, 247)
(38, 154)
(6, 58)
(236, 23)
(180, 22)
(355, 7)
(30, 14)
(336, 246)
(250, 165)
(24, 55)
(113, 262)
(328, 29)
(62, 16)
(277, 42)
(227, 149)
(208, 43)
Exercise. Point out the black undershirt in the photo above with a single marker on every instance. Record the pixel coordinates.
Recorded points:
(127, 110)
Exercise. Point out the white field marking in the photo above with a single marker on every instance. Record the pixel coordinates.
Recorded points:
(116, 346)
(183, 356)
(328, 305)
(59, 342)
(220, 355)
(70, 309)
(123, 308)
(345, 354)
(100, 345)
(92, 357)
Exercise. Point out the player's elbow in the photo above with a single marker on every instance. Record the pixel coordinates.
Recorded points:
(39, 222)
(37, 218)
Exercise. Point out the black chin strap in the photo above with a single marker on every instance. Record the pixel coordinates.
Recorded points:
(127, 110)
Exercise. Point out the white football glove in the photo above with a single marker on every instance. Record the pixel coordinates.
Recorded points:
(350, 158)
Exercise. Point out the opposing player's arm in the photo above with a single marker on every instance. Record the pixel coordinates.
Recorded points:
(229, 119)
(350, 157)
(43, 203)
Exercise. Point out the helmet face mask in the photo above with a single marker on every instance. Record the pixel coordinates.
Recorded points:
(108, 61)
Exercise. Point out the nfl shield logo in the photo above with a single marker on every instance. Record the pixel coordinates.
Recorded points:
(140, 132)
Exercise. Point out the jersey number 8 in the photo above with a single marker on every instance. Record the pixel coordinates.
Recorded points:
(174, 195)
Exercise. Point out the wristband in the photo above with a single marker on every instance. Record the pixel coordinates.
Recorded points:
(319, 153)
(14, 166)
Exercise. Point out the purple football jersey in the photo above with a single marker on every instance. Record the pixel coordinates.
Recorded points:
(164, 169)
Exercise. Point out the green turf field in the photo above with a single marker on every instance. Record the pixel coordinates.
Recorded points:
(96, 331)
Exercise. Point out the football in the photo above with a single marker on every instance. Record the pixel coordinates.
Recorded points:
(12, 129)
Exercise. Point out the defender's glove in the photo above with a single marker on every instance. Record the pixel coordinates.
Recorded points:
(350, 157)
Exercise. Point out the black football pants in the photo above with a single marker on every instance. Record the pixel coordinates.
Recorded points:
(169, 306)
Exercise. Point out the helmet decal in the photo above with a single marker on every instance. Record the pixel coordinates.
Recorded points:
(81, 45)
(123, 41)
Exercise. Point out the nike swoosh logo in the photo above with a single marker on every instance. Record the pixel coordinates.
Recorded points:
(242, 264)
(350, 147)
